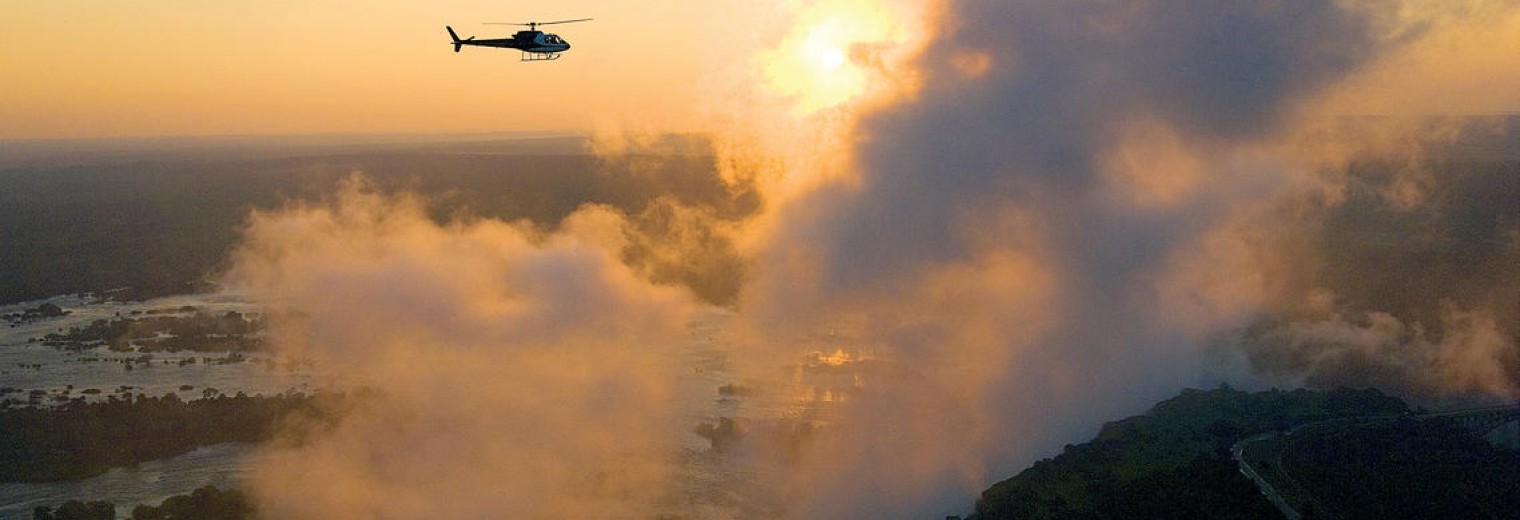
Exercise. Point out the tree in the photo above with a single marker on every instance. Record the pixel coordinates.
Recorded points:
(76, 510)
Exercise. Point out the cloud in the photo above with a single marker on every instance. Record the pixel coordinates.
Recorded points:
(1470, 354)
(1062, 204)
(512, 366)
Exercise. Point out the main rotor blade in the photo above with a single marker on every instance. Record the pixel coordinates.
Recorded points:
(530, 24)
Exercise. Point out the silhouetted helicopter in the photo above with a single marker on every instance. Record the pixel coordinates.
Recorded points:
(535, 45)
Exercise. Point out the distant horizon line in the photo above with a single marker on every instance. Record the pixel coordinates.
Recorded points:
(379, 135)
(374, 136)
(28, 152)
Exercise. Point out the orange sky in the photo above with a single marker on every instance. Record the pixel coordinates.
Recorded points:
(157, 67)
(75, 68)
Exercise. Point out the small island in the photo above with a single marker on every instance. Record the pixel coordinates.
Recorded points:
(158, 331)
(205, 503)
(80, 439)
(38, 313)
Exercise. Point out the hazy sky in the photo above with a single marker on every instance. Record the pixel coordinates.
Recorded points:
(157, 67)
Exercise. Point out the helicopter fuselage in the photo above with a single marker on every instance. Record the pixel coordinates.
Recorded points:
(537, 42)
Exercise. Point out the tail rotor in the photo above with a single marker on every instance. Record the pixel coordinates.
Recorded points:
(458, 43)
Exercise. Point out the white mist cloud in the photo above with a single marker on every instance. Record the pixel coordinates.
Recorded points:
(1469, 355)
(1058, 208)
(516, 370)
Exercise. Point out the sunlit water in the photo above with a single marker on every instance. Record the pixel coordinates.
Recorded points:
(712, 482)
(66, 374)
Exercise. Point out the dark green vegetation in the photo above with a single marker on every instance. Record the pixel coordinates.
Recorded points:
(199, 331)
(79, 439)
(1174, 461)
(161, 217)
(1402, 468)
(207, 503)
(76, 510)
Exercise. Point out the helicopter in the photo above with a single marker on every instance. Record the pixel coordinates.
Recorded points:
(535, 45)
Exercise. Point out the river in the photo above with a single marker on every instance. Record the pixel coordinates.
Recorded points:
(96, 374)
(706, 387)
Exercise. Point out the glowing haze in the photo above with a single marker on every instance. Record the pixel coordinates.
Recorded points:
(91, 69)
(991, 225)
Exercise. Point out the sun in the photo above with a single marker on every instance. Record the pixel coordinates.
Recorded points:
(819, 64)
(822, 50)
(829, 58)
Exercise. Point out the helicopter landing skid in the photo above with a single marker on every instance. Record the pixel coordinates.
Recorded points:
(539, 56)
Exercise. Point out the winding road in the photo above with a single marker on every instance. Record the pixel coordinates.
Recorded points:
(1238, 453)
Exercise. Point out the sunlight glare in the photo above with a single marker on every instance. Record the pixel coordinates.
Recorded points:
(821, 49)
(818, 64)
